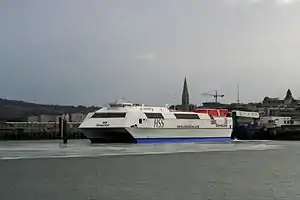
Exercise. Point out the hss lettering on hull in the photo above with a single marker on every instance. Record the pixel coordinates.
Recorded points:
(158, 123)
(104, 123)
(221, 125)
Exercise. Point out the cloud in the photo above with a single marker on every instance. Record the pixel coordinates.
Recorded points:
(249, 2)
(149, 56)
(284, 2)
(255, 1)
(241, 2)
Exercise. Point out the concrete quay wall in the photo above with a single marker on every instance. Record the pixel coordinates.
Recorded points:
(37, 131)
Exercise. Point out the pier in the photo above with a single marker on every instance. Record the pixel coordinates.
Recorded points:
(38, 131)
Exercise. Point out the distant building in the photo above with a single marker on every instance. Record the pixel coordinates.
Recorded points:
(288, 107)
(73, 117)
(43, 118)
(57, 118)
(33, 118)
(47, 118)
(66, 117)
(288, 101)
(77, 117)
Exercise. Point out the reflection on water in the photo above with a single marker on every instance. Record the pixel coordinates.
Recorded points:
(82, 148)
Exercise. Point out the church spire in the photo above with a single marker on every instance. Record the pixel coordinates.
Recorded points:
(185, 97)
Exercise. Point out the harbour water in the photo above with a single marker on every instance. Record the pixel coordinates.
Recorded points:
(238, 170)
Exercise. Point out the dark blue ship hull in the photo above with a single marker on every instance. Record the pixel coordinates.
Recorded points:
(262, 133)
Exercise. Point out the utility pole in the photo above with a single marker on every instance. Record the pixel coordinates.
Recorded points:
(215, 95)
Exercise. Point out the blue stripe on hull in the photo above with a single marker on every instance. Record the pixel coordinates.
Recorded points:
(183, 140)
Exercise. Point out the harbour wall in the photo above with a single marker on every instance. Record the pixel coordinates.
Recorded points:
(38, 131)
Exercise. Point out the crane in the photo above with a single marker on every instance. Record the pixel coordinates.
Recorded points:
(215, 95)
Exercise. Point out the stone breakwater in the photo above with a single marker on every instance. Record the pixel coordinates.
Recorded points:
(37, 131)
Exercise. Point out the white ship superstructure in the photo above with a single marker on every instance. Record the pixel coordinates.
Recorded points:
(135, 123)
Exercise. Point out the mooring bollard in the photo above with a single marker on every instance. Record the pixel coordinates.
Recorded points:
(60, 125)
(65, 131)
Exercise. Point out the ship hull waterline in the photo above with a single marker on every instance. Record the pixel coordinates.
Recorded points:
(150, 135)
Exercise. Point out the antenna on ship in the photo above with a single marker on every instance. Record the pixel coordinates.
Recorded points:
(238, 93)
(215, 95)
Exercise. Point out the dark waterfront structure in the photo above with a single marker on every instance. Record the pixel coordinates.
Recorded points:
(38, 131)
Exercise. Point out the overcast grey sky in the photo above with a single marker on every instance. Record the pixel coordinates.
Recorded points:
(95, 51)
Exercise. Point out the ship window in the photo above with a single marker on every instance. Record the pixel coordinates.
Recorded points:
(109, 115)
(140, 121)
(154, 115)
(187, 116)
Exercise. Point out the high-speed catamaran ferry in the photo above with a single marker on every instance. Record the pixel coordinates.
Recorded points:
(136, 123)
